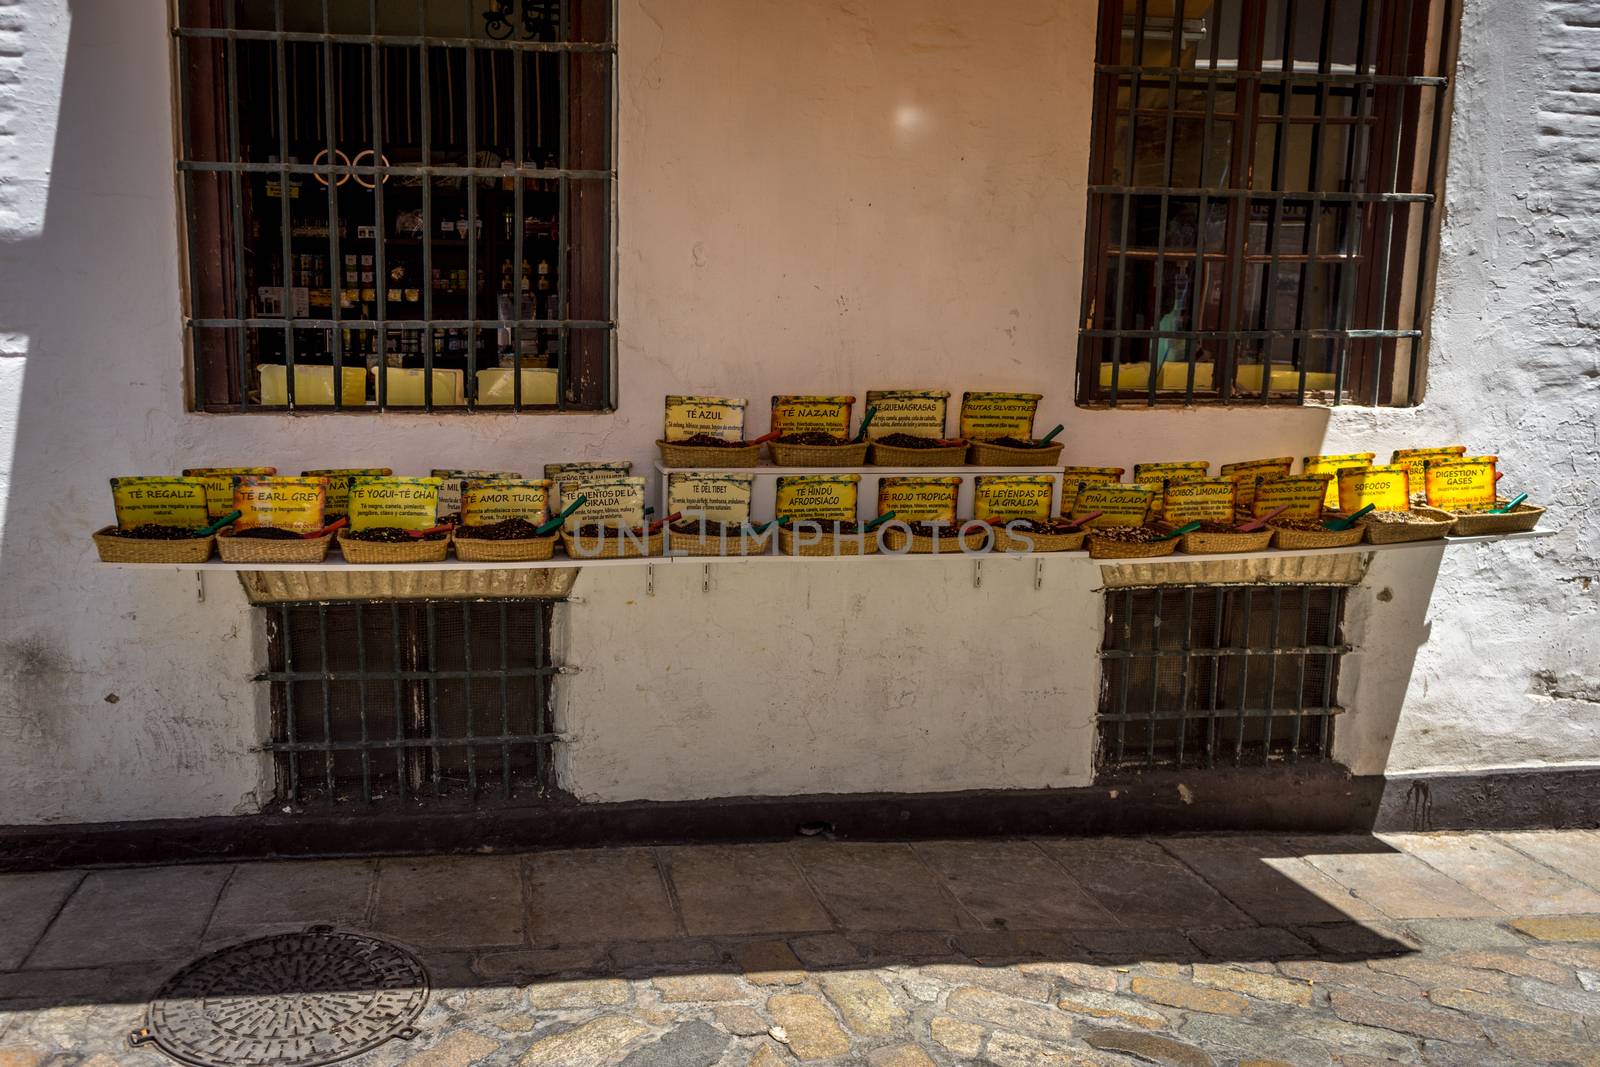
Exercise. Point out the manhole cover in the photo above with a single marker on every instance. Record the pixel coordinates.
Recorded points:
(294, 1000)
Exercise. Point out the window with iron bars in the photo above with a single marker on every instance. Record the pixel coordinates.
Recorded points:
(398, 204)
(1219, 675)
(1263, 182)
(410, 699)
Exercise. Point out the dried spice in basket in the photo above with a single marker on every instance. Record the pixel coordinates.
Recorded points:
(705, 440)
(513, 529)
(708, 528)
(392, 535)
(1040, 526)
(1132, 535)
(812, 437)
(595, 529)
(835, 527)
(1017, 442)
(943, 529)
(907, 440)
(1411, 518)
(154, 532)
(269, 533)
(1308, 525)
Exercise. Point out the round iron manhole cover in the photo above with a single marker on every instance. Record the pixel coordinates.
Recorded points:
(293, 1000)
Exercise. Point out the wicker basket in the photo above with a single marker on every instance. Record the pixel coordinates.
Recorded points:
(516, 550)
(1204, 544)
(989, 454)
(1394, 533)
(744, 544)
(1100, 548)
(897, 540)
(890, 456)
(1523, 519)
(848, 455)
(862, 544)
(261, 550)
(1302, 539)
(387, 552)
(114, 549)
(703, 457)
(612, 545)
(1042, 542)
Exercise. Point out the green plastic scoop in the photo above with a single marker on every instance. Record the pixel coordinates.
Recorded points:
(553, 524)
(1051, 436)
(1512, 506)
(1188, 527)
(866, 420)
(877, 522)
(232, 516)
(1348, 521)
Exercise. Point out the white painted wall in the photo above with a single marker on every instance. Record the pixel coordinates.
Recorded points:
(814, 196)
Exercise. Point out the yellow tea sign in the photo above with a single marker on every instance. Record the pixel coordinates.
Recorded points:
(831, 497)
(1157, 476)
(405, 503)
(451, 483)
(338, 502)
(1200, 500)
(1414, 460)
(987, 416)
(280, 503)
(1331, 466)
(1124, 505)
(721, 417)
(1073, 479)
(1385, 488)
(918, 412)
(1247, 474)
(162, 501)
(559, 472)
(1463, 485)
(919, 498)
(1304, 494)
(1012, 496)
(712, 497)
(483, 503)
(219, 485)
(812, 414)
(614, 502)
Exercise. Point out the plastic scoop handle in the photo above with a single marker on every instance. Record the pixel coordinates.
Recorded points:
(654, 526)
(232, 516)
(766, 525)
(1188, 527)
(1088, 518)
(550, 525)
(326, 530)
(1512, 506)
(443, 527)
(1348, 521)
(1051, 436)
(1255, 524)
(866, 420)
(879, 521)
(764, 438)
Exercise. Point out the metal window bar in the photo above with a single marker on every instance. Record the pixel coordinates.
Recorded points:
(1208, 675)
(412, 681)
(327, 91)
(1358, 337)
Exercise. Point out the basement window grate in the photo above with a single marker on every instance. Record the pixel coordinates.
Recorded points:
(410, 699)
(1209, 675)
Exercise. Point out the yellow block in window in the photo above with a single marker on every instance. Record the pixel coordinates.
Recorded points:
(1285, 379)
(407, 386)
(496, 386)
(1174, 377)
(313, 386)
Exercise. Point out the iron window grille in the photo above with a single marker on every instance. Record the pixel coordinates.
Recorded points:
(410, 699)
(1202, 675)
(1263, 183)
(398, 204)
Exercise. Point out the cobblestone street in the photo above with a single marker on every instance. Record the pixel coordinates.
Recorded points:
(1453, 949)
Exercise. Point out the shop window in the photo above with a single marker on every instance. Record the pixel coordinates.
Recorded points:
(410, 699)
(398, 205)
(1264, 183)
(1219, 675)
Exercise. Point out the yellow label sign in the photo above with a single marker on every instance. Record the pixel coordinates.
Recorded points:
(918, 412)
(1463, 485)
(1247, 474)
(1385, 488)
(451, 483)
(713, 497)
(406, 503)
(614, 468)
(1331, 466)
(162, 501)
(818, 496)
(1304, 494)
(488, 502)
(338, 502)
(1199, 500)
(923, 498)
(721, 417)
(986, 416)
(1157, 476)
(1124, 505)
(219, 485)
(1012, 496)
(1414, 460)
(1073, 479)
(808, 414)
(282, 503)
(613, 502)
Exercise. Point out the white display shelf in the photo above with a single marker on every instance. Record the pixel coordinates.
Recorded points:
(880, 558)
(764, 470)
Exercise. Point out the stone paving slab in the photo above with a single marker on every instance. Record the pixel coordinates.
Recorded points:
(928, 972)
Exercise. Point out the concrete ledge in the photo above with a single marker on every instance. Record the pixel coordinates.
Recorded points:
(1282, 800)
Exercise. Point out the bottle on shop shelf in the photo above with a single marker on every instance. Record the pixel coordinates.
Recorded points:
(447, 227)
(544, 275)
(461, 225)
